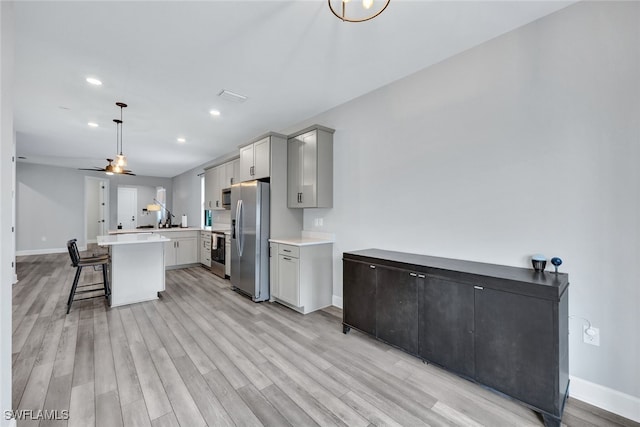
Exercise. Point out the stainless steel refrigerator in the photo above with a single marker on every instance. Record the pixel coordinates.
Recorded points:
(250, 239)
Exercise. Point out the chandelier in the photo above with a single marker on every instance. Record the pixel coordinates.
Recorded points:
(349, 11)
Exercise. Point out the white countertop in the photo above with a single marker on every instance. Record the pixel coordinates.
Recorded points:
(153, 230)
(302, 241)
(130, 239)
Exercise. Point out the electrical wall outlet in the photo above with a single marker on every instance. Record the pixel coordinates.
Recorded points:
(591, 335)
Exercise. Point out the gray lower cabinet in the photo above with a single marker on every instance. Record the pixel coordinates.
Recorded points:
(301, 276)
(503, 327)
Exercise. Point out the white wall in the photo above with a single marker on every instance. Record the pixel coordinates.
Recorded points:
(50, 205)
(7, 247)
(526, 144)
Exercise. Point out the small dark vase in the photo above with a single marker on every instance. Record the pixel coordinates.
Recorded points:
(539, 265)
(539, 262)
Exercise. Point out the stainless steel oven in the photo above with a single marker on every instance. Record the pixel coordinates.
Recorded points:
(218, 255)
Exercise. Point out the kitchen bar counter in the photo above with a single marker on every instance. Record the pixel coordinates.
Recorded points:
(137, 266)
(153, 230)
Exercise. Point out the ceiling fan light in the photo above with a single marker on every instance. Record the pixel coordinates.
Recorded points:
(121, 160)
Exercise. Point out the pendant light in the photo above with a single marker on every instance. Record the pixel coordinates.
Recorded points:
(121, 160)
(116, 166)
(357, 13)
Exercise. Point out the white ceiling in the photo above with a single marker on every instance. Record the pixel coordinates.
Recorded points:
(169, 60)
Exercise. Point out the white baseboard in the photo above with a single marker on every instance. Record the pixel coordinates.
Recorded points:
(337, 301)
(606, 398)
(47, 251)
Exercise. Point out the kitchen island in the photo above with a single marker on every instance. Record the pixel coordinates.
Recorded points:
(137, 266)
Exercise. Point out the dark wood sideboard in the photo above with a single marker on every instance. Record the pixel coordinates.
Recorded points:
(502, 327)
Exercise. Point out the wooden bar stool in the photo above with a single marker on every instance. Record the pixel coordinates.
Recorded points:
(79, 263)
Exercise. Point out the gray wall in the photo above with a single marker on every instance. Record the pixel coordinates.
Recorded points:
(92, 203)
(7, 178)
(186, 196)
(50, 205)
(139, 182)
(526, 144)
(186, 192)
(145, 196)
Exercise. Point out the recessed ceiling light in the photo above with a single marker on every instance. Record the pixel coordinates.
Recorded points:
(214, 112)
(93, 125)
(182, 140)
(94, 81)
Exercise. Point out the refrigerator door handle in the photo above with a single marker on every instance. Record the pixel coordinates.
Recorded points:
(240, 222)
(236, 231)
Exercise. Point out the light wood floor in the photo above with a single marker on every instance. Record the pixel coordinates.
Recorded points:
(204, 355)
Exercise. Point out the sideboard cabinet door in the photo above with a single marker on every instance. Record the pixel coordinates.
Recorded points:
(397, 307)
(515, 350)
(359, 296)
(446, 310)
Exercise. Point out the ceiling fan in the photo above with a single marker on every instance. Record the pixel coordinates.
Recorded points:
(110, 169)
(121, 160)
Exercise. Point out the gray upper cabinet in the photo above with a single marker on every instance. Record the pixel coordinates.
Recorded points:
(210, 185)
(217, 179)
(255, 160)
(310, 168)
(235, 176)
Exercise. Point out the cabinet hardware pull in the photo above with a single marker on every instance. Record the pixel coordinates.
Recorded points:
(288, 259)
(422, 276)
(478, 287)
(372, 266)
(413, 274)
(286, 250)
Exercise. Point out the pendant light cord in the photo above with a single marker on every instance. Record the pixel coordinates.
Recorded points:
(121, 142)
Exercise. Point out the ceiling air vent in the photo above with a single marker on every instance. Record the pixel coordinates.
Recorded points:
(231, 96)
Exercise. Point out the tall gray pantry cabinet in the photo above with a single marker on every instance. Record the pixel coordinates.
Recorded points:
(502, 327)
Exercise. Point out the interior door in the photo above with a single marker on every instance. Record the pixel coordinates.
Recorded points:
(127, 207)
